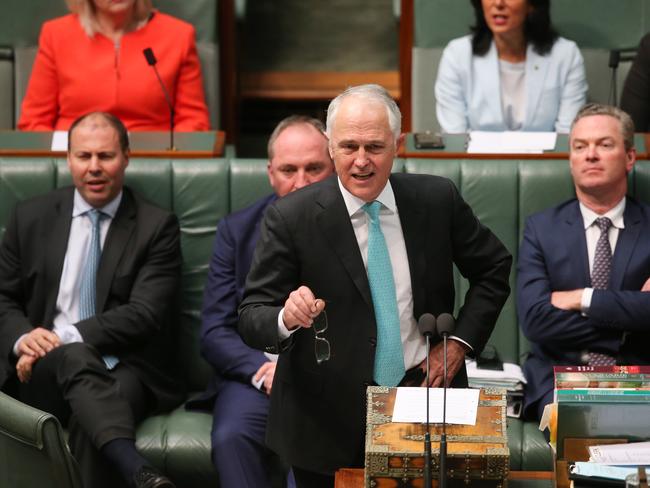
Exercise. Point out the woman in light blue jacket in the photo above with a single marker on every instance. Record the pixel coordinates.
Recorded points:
(513, 73)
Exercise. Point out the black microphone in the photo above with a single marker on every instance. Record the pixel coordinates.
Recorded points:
(445, 326)
(427, 326)
(151, 61)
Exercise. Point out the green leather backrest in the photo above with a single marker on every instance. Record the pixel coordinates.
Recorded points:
(201, 192)
(248, 181)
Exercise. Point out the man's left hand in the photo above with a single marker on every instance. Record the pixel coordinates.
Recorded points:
(455, 359)
(567, 300)
(24, 367)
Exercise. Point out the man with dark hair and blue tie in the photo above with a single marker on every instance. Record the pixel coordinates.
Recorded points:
(584, 266)
(360, 256)
(87, 276)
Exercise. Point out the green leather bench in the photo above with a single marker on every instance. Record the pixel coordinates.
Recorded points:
(201, 192)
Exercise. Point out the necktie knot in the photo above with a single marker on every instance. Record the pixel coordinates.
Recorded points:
(95, 216)
(603, 224)
(372, 209)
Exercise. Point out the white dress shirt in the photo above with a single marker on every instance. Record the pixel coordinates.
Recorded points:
(592, 234)
(67, 301)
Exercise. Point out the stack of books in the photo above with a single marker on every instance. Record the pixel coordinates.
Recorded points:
(602, 402)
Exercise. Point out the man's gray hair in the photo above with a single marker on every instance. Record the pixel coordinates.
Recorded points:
(289, 122)
(371, 92)
(625, 121)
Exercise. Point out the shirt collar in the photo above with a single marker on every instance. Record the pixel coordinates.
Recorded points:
(615, 214)
(81, 206)
(354, 203)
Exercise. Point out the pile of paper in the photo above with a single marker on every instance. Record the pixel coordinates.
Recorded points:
(510, 377)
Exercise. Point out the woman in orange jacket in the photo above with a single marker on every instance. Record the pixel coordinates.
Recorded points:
(92, 60)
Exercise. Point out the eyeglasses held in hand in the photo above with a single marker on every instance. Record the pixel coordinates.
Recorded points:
(321, 345)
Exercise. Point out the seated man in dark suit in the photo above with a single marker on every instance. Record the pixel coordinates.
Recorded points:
(243, 378)
(365, 253)
(87, 276)
(584, 266)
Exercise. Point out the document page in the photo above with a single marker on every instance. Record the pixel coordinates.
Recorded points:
(411, 405)
(60, 140)
(632, 454)
(511, 142)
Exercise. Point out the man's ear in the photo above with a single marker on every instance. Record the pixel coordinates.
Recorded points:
(631, 159)
(399, 141)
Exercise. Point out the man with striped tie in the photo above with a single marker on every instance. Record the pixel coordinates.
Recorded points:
(584, 266)
(87, 273)
(343, 269)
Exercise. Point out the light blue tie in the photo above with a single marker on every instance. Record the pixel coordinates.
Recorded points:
(389, 357)
(88, 286)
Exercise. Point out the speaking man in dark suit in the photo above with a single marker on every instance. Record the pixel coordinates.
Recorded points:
(342, 270)
(239, 392)
(584, 266)
(87, 276)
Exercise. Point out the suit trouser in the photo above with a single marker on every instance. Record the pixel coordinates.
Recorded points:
(239, 451)
(95, 404)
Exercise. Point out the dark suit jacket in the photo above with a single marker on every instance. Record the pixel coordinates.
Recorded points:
(317, 418)
(553, 257)
(232, 254)
(136, 284)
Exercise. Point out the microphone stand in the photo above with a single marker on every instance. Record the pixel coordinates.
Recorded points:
(442, 477)
(151, 61)
(427, 434)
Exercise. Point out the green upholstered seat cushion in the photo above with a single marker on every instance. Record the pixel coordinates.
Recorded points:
(179, 444)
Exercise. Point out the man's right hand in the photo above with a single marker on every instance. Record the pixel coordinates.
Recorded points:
(38, 343)
(301, 308)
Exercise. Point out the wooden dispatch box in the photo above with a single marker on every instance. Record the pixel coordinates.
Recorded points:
(477, 455)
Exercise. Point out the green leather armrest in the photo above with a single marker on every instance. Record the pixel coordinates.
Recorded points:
(33, 451)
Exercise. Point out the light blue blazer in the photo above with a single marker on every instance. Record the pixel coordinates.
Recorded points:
(468, 94)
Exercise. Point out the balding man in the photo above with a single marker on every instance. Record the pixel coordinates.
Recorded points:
(298, 156)
(87, 276)
(360, 257)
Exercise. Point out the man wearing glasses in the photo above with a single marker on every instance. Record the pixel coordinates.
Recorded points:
(375, 251)
(238, 394)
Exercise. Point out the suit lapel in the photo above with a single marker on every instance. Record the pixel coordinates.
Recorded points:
(413, 220)
(57, 245)
(115, 244)
(575, 239)
(536, 69)
(625, 244)
(334, 220)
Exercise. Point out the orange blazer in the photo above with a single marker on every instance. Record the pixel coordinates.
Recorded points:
(74, 74)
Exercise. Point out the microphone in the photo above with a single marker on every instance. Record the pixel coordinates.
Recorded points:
(151, 61)
(427, 326)
(445, 326)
